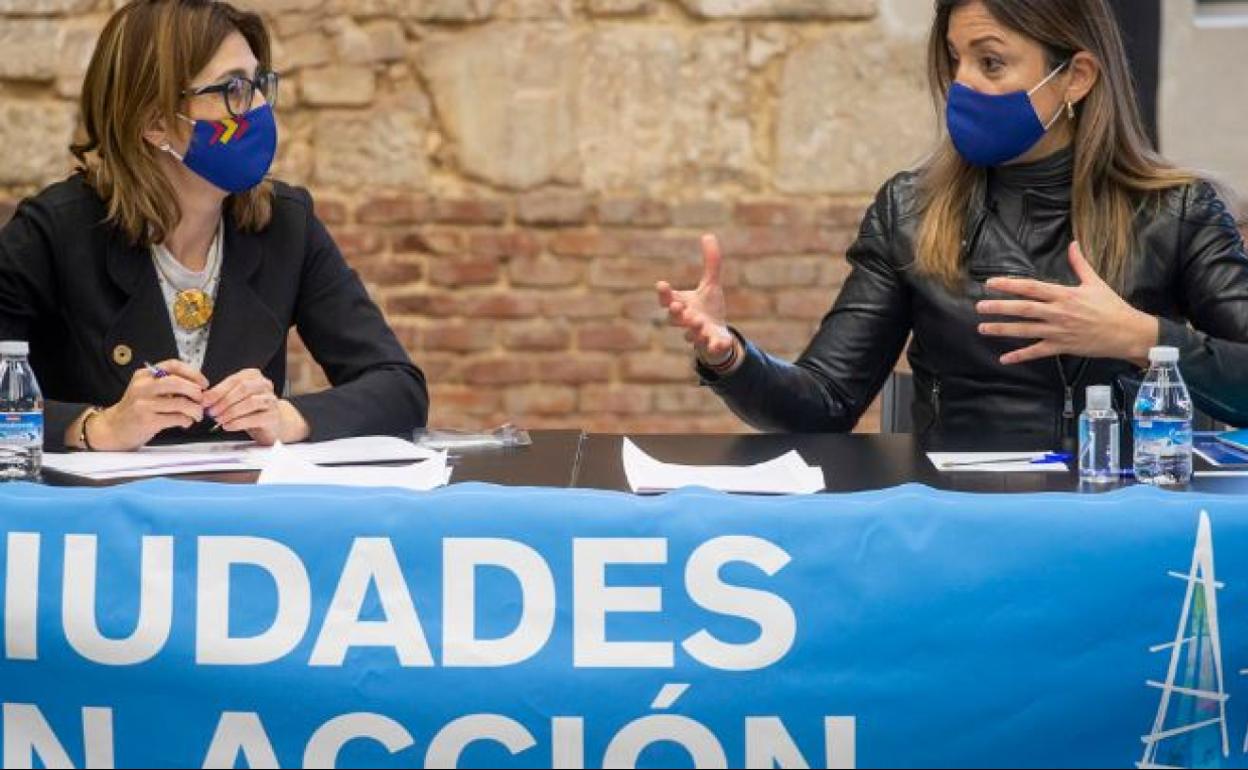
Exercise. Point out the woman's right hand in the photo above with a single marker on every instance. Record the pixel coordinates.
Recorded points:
(701, 312)
(149, 405)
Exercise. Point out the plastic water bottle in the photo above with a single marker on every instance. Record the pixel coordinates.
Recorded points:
(1098, 438)
(1163, 423)
(21, 415)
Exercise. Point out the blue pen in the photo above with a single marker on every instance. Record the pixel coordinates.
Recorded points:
(1052, 457)
(1048, 458)
(155, 371)
(159, 373)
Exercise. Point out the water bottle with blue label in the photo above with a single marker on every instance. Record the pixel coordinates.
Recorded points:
(1162, 428)
(21, 415)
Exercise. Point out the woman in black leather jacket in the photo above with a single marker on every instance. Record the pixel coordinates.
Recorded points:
(1041, 249)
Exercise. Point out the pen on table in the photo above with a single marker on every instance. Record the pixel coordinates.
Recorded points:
(159, 373)
(1046, 459)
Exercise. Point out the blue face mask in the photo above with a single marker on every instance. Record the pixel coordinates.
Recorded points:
(989, 129)
(233, 154)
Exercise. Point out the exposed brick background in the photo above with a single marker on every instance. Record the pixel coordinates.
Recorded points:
(539, 307)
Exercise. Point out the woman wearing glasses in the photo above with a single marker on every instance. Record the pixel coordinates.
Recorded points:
(157, 285)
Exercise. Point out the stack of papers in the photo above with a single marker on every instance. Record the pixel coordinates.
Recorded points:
(785, 475)
(228, 456)
(994, 462)
(282, 465)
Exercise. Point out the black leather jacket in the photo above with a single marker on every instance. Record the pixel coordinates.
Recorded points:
(1191, 268)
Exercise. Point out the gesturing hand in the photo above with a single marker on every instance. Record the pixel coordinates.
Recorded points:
(1086, 320)
(701, 312)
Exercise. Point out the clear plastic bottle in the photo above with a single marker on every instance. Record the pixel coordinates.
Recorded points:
(1098, 438)
(1162, 428)
(21, 415)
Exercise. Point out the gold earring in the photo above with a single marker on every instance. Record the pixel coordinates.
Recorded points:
(1070, 110)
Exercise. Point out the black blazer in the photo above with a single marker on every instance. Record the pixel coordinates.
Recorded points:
(89, 303)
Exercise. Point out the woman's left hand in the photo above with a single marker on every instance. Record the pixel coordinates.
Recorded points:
(246, 401)
(1088, 320)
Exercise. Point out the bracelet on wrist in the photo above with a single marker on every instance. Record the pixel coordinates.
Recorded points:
(83, 439)
(727, 363)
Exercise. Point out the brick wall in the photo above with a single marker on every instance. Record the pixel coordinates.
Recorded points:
(539, 307)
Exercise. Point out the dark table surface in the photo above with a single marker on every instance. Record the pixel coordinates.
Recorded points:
(851, 463)
(550, 462)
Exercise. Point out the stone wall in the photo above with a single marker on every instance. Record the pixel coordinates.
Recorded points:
(510, 177)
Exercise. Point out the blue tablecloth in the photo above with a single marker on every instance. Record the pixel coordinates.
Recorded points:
(184, 624)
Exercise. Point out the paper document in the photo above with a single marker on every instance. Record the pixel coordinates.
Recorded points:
(787, 474)
(994, 462)
(211, 457)
(282, 465)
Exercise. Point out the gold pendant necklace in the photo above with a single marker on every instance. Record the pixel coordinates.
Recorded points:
(192, 308)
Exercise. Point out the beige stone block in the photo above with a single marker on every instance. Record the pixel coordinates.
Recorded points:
(295, 161)
(28, 49)
(288, 25)
(34, 141)
(368, 7)
(654, 106)
(536, 10)
(386, 40)
(620, 7)
(310, 49)
(45, 7)
(504, 95)
(449, 10)
(854, 110)
(351, 43)
(768, 42)
(782, 9)
(350, 86)
(281, 6)
(77, 43)
(381, 148)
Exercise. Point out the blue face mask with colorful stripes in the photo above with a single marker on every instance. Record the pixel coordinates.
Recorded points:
(233, 154)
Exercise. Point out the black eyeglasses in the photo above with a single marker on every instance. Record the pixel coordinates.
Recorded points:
(239, 92)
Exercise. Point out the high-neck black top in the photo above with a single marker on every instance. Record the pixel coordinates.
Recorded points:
(1032, 203)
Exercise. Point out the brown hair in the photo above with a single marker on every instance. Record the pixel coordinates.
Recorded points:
(1115, 168)
(145, 58)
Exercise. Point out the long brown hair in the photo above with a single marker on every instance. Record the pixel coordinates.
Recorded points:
(1115, 168)
(145, 58)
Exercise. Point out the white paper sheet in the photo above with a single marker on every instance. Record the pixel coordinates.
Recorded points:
(993, 462)
(283, 465)
(227, 456)
(787, 474)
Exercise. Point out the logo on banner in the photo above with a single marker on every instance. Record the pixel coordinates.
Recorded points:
(1190, 728)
